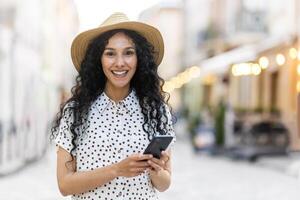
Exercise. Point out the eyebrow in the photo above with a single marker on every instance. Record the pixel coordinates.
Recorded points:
(109, 48)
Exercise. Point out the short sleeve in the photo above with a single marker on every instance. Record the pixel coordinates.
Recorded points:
(64, 136)
(170, 127)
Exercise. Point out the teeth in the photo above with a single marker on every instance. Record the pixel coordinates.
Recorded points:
(119, 72)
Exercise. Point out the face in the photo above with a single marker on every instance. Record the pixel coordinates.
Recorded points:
(119, 61)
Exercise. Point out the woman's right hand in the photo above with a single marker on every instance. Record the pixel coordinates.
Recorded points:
(133, 165)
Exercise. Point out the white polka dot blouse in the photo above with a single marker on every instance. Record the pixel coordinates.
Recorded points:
(113, 133)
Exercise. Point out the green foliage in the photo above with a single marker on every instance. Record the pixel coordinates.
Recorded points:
(275, 111)
(219, 124)
(258, 110)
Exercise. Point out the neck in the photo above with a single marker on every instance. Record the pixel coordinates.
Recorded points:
(116, 94)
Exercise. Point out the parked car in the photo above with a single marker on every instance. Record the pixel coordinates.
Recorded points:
(265, 138)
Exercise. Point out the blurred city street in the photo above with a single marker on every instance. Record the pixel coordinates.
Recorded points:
(231, 68)
(200, 177)
(195, 177)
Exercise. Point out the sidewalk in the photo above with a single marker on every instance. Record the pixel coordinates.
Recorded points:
(195, 177)
(198, 177)
(35, 182)
(287, 165)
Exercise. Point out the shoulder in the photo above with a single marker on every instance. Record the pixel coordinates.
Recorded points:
(166, 108)
(68, 109)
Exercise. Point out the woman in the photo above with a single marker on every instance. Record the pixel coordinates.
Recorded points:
(117, 107)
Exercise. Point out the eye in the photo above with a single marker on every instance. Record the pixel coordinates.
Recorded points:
(109, 53)
(130, 52)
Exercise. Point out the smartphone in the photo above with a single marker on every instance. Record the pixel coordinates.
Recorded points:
(157, 145)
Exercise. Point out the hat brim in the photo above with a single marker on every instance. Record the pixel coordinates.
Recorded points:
(81, 41)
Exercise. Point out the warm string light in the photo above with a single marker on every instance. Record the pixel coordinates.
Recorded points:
(241, 69)
(182, 78)
(245, 69)
(293, 53)
(280, 59)
(263, 62)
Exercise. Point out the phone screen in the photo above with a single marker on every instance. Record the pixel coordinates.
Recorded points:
(157, 145)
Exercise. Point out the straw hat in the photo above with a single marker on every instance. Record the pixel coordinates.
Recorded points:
(117, 21)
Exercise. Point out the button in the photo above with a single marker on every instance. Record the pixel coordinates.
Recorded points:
(119, 112)
(120, 150)
(119, 194)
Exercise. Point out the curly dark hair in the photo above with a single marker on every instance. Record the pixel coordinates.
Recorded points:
(90, 83)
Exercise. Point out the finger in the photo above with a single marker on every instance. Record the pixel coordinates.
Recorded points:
(155, 166)
(143, 157)
(134, 156)
(159, 162)
(165, 156)
(134, 174)
(141, 164)
(138, 170)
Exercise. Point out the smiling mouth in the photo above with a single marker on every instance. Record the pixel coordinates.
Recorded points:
(119, 74)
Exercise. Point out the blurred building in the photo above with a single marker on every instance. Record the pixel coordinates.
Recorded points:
(34, 63)
(167, 17)
(221, 34)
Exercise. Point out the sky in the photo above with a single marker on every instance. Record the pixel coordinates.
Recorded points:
(93, 12)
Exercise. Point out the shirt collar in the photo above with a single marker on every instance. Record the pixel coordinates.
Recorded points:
(130, 102)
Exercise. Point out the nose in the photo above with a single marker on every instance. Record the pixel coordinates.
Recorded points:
(120, 62)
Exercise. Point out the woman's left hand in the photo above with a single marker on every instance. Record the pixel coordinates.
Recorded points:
(159, 164)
